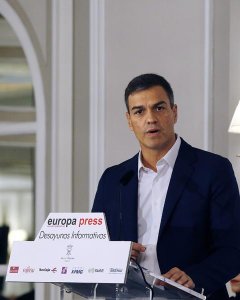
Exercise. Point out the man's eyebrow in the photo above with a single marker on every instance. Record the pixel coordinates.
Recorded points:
(159, 103)
(154, 105)
(137, 107)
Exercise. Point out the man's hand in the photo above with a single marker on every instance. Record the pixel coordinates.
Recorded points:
(136, 250)
(180, 277)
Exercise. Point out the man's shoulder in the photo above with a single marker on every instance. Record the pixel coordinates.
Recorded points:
(123, 167)
(187, 148)
(203, 160)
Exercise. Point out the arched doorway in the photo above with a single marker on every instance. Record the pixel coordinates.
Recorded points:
(22, 134)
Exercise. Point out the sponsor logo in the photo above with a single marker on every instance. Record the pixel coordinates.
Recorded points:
(44, 269)
(14, 269)
(64, 270)
(28, 270)
(77, 270)
(61, 222)
(68, 254)
(69, 250)
(54, 270)
(93, 270)
(99, 270)
(115, 270)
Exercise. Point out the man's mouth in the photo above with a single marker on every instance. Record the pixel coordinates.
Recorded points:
(235, 281)
(152, 131)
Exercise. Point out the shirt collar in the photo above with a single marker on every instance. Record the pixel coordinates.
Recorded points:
(170, 157)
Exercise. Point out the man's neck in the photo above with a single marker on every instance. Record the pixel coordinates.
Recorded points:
(150, 157)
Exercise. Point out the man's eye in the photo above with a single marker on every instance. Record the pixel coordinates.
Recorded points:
(138, 112)
(158, 108)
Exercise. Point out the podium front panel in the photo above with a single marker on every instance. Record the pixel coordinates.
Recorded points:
(134, 288)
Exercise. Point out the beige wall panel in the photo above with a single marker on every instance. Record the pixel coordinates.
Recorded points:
(234, 82)
(166, 37)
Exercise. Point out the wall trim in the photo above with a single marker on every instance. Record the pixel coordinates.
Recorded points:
(97, 95)
(62, 105)
(62, 113)
(19, 128)
(208, 76)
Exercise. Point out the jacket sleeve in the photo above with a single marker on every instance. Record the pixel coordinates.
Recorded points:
(98, 204)
(223, 262)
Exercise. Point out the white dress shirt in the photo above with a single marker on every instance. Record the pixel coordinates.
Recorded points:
(152, 191)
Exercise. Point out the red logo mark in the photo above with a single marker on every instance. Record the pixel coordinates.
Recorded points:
(14, 269)
(54, 270)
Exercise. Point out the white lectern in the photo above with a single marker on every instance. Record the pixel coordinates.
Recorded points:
(73, 251)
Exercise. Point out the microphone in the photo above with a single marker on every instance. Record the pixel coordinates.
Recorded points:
(126, 177)
(124, 180)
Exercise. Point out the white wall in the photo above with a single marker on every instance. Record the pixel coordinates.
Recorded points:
(188, 42)
(165, 37)
(220, 122)
(234, 82)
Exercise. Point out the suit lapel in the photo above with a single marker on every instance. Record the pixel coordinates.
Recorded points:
(129, 198)
(129, 192)
(181, 173)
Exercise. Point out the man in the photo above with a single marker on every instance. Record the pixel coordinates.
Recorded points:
(235, 286)
(178, 204)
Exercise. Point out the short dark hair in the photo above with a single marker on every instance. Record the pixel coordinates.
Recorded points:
(146, 81)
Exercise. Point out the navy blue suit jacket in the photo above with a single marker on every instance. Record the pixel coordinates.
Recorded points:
(200, 226)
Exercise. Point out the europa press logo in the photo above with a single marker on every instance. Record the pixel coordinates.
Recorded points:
(65, 222)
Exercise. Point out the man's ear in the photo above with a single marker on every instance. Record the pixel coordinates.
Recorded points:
(175, 111)
(129, 120)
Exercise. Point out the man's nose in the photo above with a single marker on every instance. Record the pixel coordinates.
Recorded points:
(151, 118)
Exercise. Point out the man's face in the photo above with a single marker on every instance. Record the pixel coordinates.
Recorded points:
(152, 119)
(235, 284)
